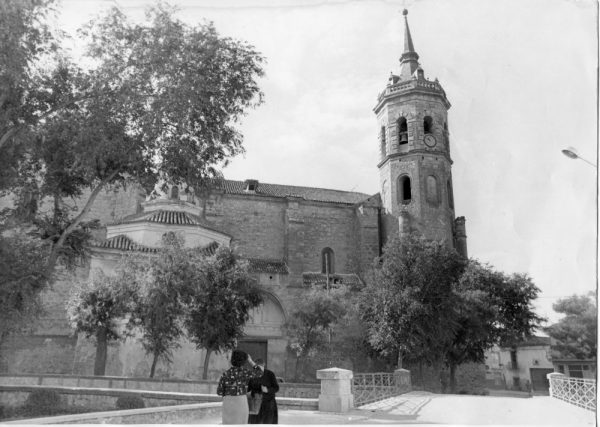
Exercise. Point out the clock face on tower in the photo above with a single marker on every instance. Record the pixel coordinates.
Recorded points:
(430, 140)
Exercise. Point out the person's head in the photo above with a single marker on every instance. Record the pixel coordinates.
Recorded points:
(261, 363)
(238, 358)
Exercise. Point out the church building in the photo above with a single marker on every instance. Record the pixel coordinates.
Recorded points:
(292, 236)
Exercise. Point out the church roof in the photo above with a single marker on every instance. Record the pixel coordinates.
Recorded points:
(256, 265)
(124, 243)
(163, 217)
(283, 191)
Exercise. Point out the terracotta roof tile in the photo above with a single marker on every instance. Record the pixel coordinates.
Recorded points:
(306, 193)
(163, 217)
(124, 243)
(274, 266)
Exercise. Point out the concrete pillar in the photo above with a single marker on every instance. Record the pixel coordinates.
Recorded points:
(336, 390)
(402, 380)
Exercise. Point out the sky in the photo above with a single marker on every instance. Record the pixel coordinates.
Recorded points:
(522, 79)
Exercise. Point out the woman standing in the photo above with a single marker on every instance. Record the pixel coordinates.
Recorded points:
(233, 386)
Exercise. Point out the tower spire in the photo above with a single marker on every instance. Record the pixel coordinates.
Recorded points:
(409, 61)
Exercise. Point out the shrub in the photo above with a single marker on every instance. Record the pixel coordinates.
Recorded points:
(130, 402)
(42, 402)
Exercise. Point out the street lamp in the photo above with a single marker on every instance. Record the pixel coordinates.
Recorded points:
(572, 154)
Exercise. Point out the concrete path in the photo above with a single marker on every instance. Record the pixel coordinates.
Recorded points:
(428, 408)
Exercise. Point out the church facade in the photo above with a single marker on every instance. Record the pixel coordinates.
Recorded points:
(292, 236)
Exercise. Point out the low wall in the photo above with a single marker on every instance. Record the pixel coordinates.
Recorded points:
(299, 390)
(102, 399)
(105, 399)
(182, 414)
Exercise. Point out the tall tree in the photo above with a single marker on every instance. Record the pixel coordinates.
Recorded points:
(576, 332)
(309, 325)
(159, 310)
(408, 302)
(160, 99)
(219, 303)
(97, 309)
(490, 308)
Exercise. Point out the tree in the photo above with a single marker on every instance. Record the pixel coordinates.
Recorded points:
(575, 333)
(25, 39)
(22, 278)
(218, 304)
(407, 303)
(308, 327)
(159, 310)
(96, 308)
(160, 99)
(490, 308)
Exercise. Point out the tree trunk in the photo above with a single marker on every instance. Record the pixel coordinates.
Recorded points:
(101, 351)
(50, 264)
(206, 360)
(296, 369)
(452, 378)
(153, 367)
(399, 359)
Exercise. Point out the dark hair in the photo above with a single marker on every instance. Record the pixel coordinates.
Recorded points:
(260, 361)
(238, 358)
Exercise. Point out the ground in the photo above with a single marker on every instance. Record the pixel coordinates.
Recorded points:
(427, 408)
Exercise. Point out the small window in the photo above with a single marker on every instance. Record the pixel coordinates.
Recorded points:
(327, 261)
(446, 126)
(402, 131)
(404, 190)
(427, 125)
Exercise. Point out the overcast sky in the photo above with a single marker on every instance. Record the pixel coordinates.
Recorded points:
(521, 77)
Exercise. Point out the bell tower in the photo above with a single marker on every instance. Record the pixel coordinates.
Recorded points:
(415, 164)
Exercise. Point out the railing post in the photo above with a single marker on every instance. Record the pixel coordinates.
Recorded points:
(336, 390)
(550, 377)
(402, 380)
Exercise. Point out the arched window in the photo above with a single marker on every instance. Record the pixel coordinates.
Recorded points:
(427, 124)
(446, 126)
(383, 140)
(432, 190)
(450, 195)
(404, 190)
(402, 131)
(327, 261)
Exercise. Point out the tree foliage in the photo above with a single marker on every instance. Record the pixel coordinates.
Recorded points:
(158, 99)
(219, 303)
(427, 303)
(158, 311)
(22, 278)
(407, 303)
(576, 332)
(97, 309)
(309, 325)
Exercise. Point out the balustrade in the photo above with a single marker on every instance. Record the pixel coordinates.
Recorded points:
(576, 391)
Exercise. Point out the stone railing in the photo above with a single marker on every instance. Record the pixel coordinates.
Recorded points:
(576, 391)
(371, 387)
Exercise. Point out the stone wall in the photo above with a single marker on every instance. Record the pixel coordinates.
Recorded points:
(470, 378)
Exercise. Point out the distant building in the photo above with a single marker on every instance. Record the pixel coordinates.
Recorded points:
(292, 236)
(520, 367)
(576, 368)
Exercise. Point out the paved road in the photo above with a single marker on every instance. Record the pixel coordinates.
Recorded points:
(426, 408)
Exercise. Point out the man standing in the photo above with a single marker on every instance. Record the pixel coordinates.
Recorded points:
(267, 385)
